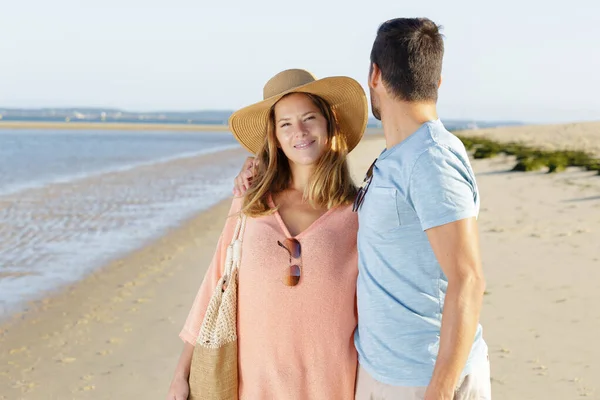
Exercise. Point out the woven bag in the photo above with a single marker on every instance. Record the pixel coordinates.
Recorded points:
(214, 367)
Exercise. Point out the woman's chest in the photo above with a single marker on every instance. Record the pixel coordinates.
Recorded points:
(327, 253)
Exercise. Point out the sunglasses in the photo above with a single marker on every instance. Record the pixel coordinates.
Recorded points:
(360, 196)
(292, 275)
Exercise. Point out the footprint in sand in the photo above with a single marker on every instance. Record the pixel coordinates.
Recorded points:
(24, 385)
(142, 300)
(504, 353)
(585, 392)
(496, 380)
(18, 350)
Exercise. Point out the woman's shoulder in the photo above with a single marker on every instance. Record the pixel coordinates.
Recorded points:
(236, 206)
(232, 216)
(345, 216)
(346, 209)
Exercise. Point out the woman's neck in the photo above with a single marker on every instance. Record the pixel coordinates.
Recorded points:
(301, 175)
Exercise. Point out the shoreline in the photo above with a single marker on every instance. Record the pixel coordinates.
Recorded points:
(111, 126)
(32, 307)
(35, 286)
(77, 331)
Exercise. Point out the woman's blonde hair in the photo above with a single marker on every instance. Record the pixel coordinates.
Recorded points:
(331, 184)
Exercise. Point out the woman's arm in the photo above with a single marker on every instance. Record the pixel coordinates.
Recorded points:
(180, 389)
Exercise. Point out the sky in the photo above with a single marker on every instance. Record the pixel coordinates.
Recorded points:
(526, 60)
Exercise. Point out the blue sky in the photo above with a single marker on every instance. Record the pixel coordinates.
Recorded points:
(512, 60)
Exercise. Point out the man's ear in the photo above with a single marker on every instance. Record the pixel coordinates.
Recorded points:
(440, 81)
(374, 76)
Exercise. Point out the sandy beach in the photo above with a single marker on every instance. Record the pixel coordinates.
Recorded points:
(114, 334)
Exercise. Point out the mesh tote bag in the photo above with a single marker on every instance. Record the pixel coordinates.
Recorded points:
(214, 367)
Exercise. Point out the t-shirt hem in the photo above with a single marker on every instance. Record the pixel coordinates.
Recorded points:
(448, 218)
(468, 369)
(393, 382)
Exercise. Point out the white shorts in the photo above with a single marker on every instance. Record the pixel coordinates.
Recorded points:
(475, 386)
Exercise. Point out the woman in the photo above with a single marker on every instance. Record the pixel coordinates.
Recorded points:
(297, 278)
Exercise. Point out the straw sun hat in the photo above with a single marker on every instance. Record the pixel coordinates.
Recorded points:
(345, 95)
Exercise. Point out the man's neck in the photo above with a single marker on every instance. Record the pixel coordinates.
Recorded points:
(401, 119)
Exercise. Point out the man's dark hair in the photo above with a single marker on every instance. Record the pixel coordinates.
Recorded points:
(409, 53)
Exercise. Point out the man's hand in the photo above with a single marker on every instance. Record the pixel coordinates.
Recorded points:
(242, 181)
(437, 394)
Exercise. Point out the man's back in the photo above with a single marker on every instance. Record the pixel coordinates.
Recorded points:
(423, 182)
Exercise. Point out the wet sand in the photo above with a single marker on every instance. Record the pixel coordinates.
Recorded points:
(55, 234)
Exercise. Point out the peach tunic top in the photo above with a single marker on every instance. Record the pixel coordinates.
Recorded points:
(295, 342)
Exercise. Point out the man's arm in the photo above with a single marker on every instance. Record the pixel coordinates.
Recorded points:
(456, 247)
(443, 192)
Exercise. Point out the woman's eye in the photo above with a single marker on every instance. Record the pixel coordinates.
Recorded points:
(309, 118)
(285, 124)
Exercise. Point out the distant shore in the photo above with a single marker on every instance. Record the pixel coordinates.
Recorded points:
(110, 126)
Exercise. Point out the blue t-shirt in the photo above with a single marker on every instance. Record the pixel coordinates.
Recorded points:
(423, 182)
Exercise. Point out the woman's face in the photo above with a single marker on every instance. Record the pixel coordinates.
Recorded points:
(301, 129)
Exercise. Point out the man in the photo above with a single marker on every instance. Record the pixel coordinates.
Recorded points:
(420, 284)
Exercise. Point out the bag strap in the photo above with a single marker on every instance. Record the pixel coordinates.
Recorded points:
(239, 229)
(234, 250)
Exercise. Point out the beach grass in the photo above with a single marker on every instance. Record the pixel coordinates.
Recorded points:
(529, 158)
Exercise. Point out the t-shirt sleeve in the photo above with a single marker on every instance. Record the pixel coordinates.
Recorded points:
(441, 188)
(191, 328)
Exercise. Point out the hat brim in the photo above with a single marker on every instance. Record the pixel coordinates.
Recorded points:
(345, 95)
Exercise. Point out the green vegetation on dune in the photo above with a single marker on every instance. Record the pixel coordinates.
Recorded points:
(529, 158)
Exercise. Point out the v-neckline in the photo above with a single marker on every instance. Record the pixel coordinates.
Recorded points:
(284, 227)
